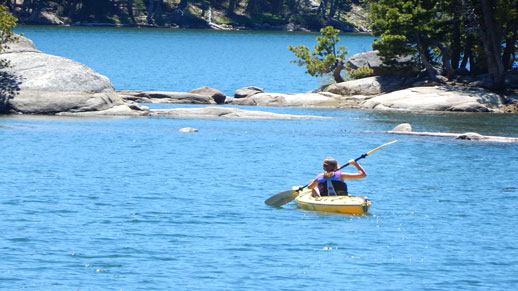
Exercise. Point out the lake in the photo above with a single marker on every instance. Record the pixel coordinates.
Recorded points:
(131, 203)
(182, 60)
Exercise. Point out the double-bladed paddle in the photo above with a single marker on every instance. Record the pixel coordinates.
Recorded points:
(287, 196)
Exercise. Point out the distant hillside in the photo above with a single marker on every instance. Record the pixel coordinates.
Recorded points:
(290, 15)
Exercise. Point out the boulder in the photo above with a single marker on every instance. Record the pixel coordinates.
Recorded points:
(47, 84)
(215, 94)
(372, 60)
(370, 85)
(403, 127)
(247, 91)
(369, 59)
(443, 98)
(43, 72)
(471, 136)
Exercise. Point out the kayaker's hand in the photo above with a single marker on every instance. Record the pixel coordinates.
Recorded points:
(352, 162)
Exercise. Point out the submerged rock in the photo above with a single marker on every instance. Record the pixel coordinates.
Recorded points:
(188, 129)
(225, 112)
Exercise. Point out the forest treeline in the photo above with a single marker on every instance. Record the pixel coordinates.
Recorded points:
(310, 14)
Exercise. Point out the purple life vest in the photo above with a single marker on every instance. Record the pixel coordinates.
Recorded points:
(332, 186)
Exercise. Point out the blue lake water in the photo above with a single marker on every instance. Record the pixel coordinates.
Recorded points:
(131, 203)
(182, 60)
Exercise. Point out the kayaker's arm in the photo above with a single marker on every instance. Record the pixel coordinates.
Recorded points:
(361, 172)
(312, 184)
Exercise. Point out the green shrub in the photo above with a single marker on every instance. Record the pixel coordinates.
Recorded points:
(360, 73)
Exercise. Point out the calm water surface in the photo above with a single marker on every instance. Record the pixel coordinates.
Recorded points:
(182, 60)
(131, 203)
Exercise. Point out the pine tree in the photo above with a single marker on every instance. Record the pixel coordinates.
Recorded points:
(326, 58)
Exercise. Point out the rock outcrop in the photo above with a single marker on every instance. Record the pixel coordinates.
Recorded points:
(323, 99)
(371, 85)
(444, 98)
(47, 84)
(163, 97)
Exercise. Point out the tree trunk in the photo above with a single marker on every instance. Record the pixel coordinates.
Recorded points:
(11, 4)
(150, 11)
(491, 41)
(430, 70)
(26, 6)
(231, 6)
(446, 60)
(294, 7)
(455, 46)
(510, 45)
(332, 9)
(36, 11)
(323, 7)
(339, 65)
(183, 4)
(130, 12)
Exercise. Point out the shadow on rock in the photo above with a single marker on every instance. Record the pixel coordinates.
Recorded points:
(9, 87)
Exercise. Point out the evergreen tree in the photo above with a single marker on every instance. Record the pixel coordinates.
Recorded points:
(8, 82)
(7, 22)
(479, 34)
(405, 28)
(326, 58)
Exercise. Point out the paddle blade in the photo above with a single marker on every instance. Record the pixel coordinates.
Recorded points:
(372, 151)
(281, 198)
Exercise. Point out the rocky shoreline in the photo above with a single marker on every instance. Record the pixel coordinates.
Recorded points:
(38, 83)
(444, 98)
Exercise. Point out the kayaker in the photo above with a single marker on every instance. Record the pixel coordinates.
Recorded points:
(331, 182)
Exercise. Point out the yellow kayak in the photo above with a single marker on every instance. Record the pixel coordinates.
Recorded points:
(341, 204)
